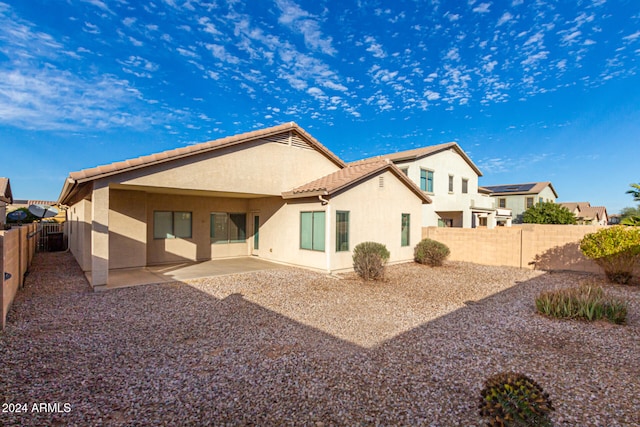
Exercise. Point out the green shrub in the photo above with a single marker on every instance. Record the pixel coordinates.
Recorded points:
(370, 259)
(513, 399)
(430, 252)
(586, 302)
(616, 249)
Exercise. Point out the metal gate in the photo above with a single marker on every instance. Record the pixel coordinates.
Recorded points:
(50, 237)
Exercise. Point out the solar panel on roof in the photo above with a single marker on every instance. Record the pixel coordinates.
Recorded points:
(511, 188)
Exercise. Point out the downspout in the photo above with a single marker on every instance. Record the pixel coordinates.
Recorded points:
(327, 232)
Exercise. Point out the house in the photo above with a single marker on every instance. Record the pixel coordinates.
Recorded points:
(276, 193)
(586, 214)
(615, 219)
(6, 197)
(520, 197)
(450, 179)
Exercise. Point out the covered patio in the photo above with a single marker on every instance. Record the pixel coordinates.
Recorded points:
(166, 273)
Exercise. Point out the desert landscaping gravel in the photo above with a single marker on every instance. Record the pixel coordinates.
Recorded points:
(294, 347)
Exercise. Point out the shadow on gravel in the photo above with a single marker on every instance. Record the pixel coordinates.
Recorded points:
(172, 355)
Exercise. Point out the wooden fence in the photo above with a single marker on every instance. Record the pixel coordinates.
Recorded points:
(17, 247)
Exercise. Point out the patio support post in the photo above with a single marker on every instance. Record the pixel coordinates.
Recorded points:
(100, 235)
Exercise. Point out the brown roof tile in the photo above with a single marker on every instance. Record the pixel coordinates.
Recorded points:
(421, 152)
(143, 161)
(351, 174)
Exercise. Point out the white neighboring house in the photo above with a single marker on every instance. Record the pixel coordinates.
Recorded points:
(6, 198)
(450, 179)
(520, 197)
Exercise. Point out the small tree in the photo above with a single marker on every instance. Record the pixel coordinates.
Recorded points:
(616, 249)
(548, 213)
(430, 252)
(635, 191)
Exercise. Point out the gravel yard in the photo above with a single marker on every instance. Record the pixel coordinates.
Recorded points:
(293, 347)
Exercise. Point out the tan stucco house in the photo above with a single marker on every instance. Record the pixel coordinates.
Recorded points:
(448, 176)
(275, 193)
(586, 214)
(520, 197)
(6, 198)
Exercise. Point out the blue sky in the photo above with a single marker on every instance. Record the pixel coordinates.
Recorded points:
(532, 90)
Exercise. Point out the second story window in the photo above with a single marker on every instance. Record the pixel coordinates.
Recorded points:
(502, 203)
(465, 186)
(450, 183)
(426, 180)
(529, 202)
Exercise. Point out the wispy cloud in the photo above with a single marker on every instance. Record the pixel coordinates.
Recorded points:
(306, 24)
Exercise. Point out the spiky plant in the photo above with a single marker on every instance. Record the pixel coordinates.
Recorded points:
(513, 399)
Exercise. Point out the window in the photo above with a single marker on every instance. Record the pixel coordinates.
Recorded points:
(465, 186)
(171, 225)
(342, 231)
(450, 183)
(312, 230)
(228, 227)
(426, 180)
(405, 171)
(529, 202)
(502, 203)
(405, 229)
(540, 200)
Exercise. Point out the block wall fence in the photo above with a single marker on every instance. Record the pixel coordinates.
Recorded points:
(533, 246)
(17, 248)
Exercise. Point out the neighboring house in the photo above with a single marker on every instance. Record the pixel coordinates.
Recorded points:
(520, 197)
(449, 177)
(23, 203)
(587, 214)
(276, 193)
(6, 197)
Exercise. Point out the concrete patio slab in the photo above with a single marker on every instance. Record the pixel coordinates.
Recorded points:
(126, 277)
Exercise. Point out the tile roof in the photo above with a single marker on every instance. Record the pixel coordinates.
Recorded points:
(352, 174)
(513, 189)
(421, 152)
(593, 212)
(5, 190)
(119, 167)
(572, 206)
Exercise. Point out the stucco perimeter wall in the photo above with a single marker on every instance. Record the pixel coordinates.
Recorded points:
(16, 253)
(534, 246)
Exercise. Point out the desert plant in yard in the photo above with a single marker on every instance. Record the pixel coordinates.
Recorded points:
(513, 399)
(430, 252)
(587, 302)
(370, 260)
(615, 249)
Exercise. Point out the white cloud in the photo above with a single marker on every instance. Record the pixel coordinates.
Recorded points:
(54, 100)
(632, 37)
(506, 17)
(571, 38)
(129, 21)
(189, 53)
(374, 47)
(306, 24)
(208, 27)
(532, 59)
(90, 28)
(99, 4)
(452, 16)
(482, 8)
(453, 54)
(431, 95)
(221, 53)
